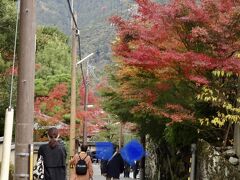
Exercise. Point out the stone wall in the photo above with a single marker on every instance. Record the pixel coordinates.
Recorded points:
(213, 165)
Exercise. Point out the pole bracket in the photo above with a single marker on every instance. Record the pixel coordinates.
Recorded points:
(22, 154)
(77, 31)
(22, 175)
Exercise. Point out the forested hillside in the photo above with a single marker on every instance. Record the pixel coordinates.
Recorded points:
(92, 18)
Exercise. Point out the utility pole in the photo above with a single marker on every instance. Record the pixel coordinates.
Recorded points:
(85, 82)
(25, 91)
(73, 92)
(85, 106)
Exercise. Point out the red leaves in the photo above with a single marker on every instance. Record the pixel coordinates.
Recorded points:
(180, 41)
(91, 97)
(199, 80)
(53, 104)
(156, 37)
(58, 92)
(93, 117)
(176, 113)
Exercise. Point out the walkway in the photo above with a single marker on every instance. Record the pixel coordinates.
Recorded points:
(98, 176)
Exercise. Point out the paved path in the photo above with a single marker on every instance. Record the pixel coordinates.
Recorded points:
(98, 176)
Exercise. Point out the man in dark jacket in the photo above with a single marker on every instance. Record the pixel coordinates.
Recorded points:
(115, 165)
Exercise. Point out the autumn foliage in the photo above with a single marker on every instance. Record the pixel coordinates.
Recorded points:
(54, 102)
(50, 110)
(176, 45)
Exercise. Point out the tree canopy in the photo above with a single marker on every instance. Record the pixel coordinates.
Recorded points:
(176, 68)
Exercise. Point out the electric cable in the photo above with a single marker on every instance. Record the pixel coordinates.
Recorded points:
(79, 42)
(71, 11)
(14, 56)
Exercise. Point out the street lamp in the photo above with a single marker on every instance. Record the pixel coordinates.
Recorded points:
(79, 62)
(85, 98)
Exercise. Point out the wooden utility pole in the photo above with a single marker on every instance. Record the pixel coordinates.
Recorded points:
(25, 90)
(73, 94)
(85, 105)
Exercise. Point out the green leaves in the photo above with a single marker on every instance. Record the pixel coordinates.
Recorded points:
(7, 27)
(53, 60)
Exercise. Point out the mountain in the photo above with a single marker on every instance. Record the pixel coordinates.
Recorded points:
(92, 18)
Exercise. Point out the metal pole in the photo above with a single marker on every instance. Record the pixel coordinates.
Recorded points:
(73, 95)
(7, 143)
(193, 162)
(85, 107)
(31, 161)
(25, 91)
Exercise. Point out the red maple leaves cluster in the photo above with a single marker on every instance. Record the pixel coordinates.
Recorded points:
(183, 40)
(49, 110)
(195, 37)
(54, 102)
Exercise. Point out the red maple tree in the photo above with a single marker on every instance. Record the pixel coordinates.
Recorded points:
(179, 42)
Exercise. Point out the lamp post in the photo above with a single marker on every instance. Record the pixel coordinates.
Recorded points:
(85, 98)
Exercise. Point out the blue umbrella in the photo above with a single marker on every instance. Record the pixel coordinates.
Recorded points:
(104, 150)
(132, 151)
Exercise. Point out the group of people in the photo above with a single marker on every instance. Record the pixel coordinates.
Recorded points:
(54, 157)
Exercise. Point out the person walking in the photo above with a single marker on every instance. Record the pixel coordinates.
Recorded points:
(115, 165)
(126, 169)
(88, 162)
(135, 169)
(54, 157)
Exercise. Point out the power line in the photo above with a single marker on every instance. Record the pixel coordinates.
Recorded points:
(78, 35)
(71, 11)
(14, 55)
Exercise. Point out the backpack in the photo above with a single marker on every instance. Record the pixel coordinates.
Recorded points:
(81, 167)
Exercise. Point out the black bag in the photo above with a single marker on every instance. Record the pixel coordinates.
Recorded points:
(81, 167)
(103, 166)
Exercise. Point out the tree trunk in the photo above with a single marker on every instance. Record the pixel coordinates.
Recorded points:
(236, 140)
(226, 135)
(142, 163)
